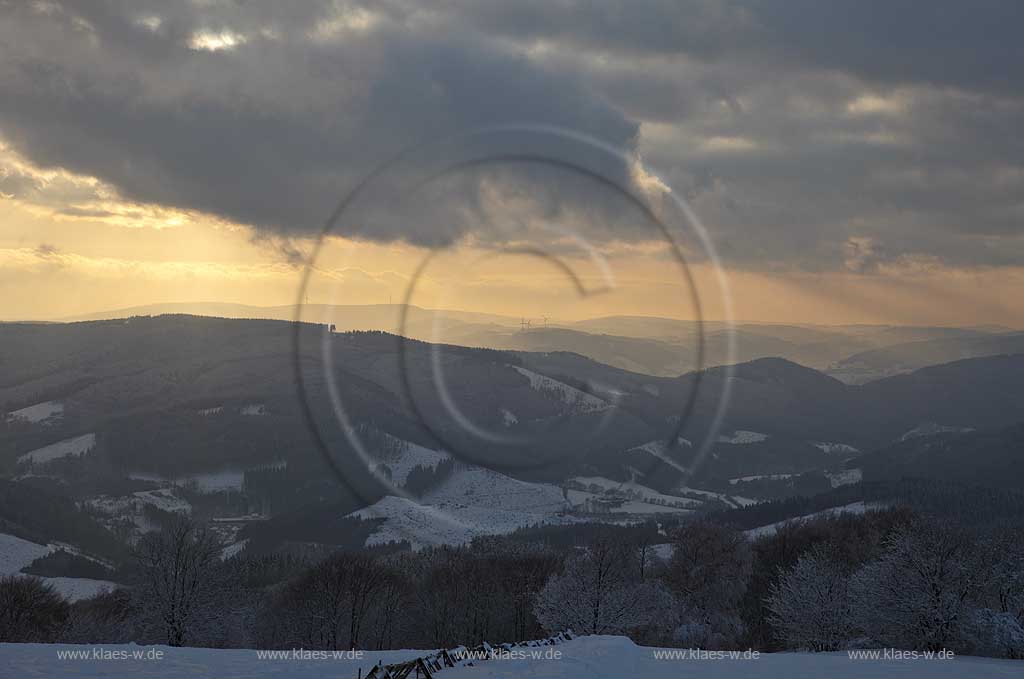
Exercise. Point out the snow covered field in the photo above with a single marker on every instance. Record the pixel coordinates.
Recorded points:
(731, 500)
(16, 553)
(742, 437)
(407, 458)
(579, 401)
(599, 657)
(852, 508)
(845, 477)
(207, 482)
(931, 428)
(472, 501)
(40, 412)
(760, 477)
(659, 449)
(835, 448)
(133, 506)
(78, 445)
(599, 484)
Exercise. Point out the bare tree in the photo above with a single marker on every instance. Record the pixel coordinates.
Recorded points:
(177, 564)
(329, 605)
(708, 573)
(110, 617)
(30, 610)
(392, 596)
(364, 579)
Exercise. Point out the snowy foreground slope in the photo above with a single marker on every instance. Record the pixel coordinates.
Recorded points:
(583, 658)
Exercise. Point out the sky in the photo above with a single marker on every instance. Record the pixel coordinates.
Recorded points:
(841, 162)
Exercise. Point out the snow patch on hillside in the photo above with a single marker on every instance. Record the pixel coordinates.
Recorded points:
(78, 445)
(845, 477)
(253, 409)
(233, 549)
(578, 400)
(742, 436)
(852, 508)
(132, 506)
(408, 457)
(472, 502)
(206, 482)
(75, 589)
(729, 500)
(664, 551)
(508, 418)
(659, 449)
(39, 412)
(164, 499)
(600, 484)
(596, 503)
(830, 448)
(760, 477)
(16, 554)
(931, 428)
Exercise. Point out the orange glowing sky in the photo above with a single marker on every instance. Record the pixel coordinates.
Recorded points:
(64, 267)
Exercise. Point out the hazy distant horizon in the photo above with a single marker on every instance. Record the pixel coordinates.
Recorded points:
(197, 309)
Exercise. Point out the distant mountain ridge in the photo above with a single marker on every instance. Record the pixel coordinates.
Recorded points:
(657, 346)
(167, 369)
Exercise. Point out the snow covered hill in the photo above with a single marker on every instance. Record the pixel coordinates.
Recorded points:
(598, 657)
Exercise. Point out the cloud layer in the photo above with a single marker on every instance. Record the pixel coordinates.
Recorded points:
(816, 136)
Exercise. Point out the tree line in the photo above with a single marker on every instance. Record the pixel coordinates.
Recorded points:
(891, 577)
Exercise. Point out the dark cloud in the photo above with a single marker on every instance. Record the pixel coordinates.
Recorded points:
(971, 45)
(806, 134)
(273, 132)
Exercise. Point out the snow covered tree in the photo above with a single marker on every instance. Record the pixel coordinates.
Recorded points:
(810, 605)
(177, 564)
(999, 621)
(599, 592)
(999, 633)
(918, 594)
